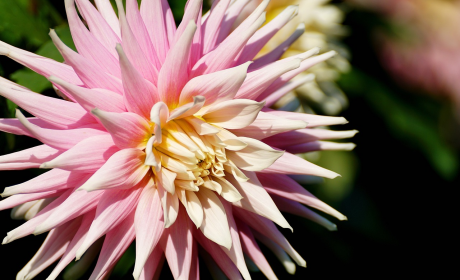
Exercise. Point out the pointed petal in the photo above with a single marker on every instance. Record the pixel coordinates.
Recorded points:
(69, 254)
(231, 15)
(256, 156)
(115, 244)
(52, 180)
(87, 44)
(257, 200)
(107, 12)
(170, 205)
(87, 156)
(77, 204)
(284, 186)
(92, 98)
(264, 34)
(128, 130)
(212, 25)
(298, 209)
(292, 164)
(160, 24)
(152, 269)
(19, 199)
(233, 114)
(32, 157)
(214, 225)
(52, 249)
(311, 119)
(193, 206)
(58, 139)
(173, 74)
(266, 125)
(193, 10)
(123, 170)
(61, 113)
(320, 146)
(166, 179)
(178, 246)
(139, 94)
(259, 80)
(133, 50)
(41, 65)
(188, 109)
(149, 227)
(302, 136)
(268, 229)
(91, 73)
(252, 249)
(115, 208)
(288, 87)
(215, 87)
(98, 26)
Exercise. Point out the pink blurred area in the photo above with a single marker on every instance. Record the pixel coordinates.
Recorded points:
(424, 54)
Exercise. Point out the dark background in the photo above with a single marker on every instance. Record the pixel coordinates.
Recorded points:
(401, 207)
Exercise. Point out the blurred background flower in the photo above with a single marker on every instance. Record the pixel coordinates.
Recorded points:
(398, 189)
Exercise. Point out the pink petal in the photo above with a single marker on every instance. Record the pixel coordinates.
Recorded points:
(259, 80)
(252, 249)
(218, 255)
(311, 119)
(51, 250)
(232, 13)
(212, 25)
(284, 186)
(58, 139)
(233, 114)
(288, 87)
(77, 204)
(178, 246)
(91, 73)
(61, 113)
(236, 252)
(174, 74)
(133, 50)
(98, 25)
(92, 98)
(298, 209)
(115, 244)
(141, 33)
(29, 226)
(19, 199)
(306, 64)
(152, 269)
(69, 254)
(128, 130)
(266, 125)
(123, 170)
(42, 65)
(52, 180)
(87, 44)
(147, 233)
(140, 95)
(320, 146)
(87, 156)
(302, 136)
(215, 87)
(160, 24)
(14, 126)
(107, 12)
(277, 52)
(193, 10)
(264, 34)
(222, 57)
(114, 210)
(257, 200)
(291, 164)
(30, 157)
(268, 229)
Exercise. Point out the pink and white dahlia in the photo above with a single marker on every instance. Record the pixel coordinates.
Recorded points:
(162, 136)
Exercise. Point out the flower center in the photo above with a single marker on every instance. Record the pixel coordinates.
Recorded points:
(197, 160)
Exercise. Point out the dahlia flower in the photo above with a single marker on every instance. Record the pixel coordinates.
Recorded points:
(163, 137)
(318, 25)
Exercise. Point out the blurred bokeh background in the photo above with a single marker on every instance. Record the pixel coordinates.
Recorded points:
(400, 88)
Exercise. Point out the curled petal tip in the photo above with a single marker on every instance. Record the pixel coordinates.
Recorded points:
(5, 240)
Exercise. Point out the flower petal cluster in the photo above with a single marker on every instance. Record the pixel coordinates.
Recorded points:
(163, 137)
